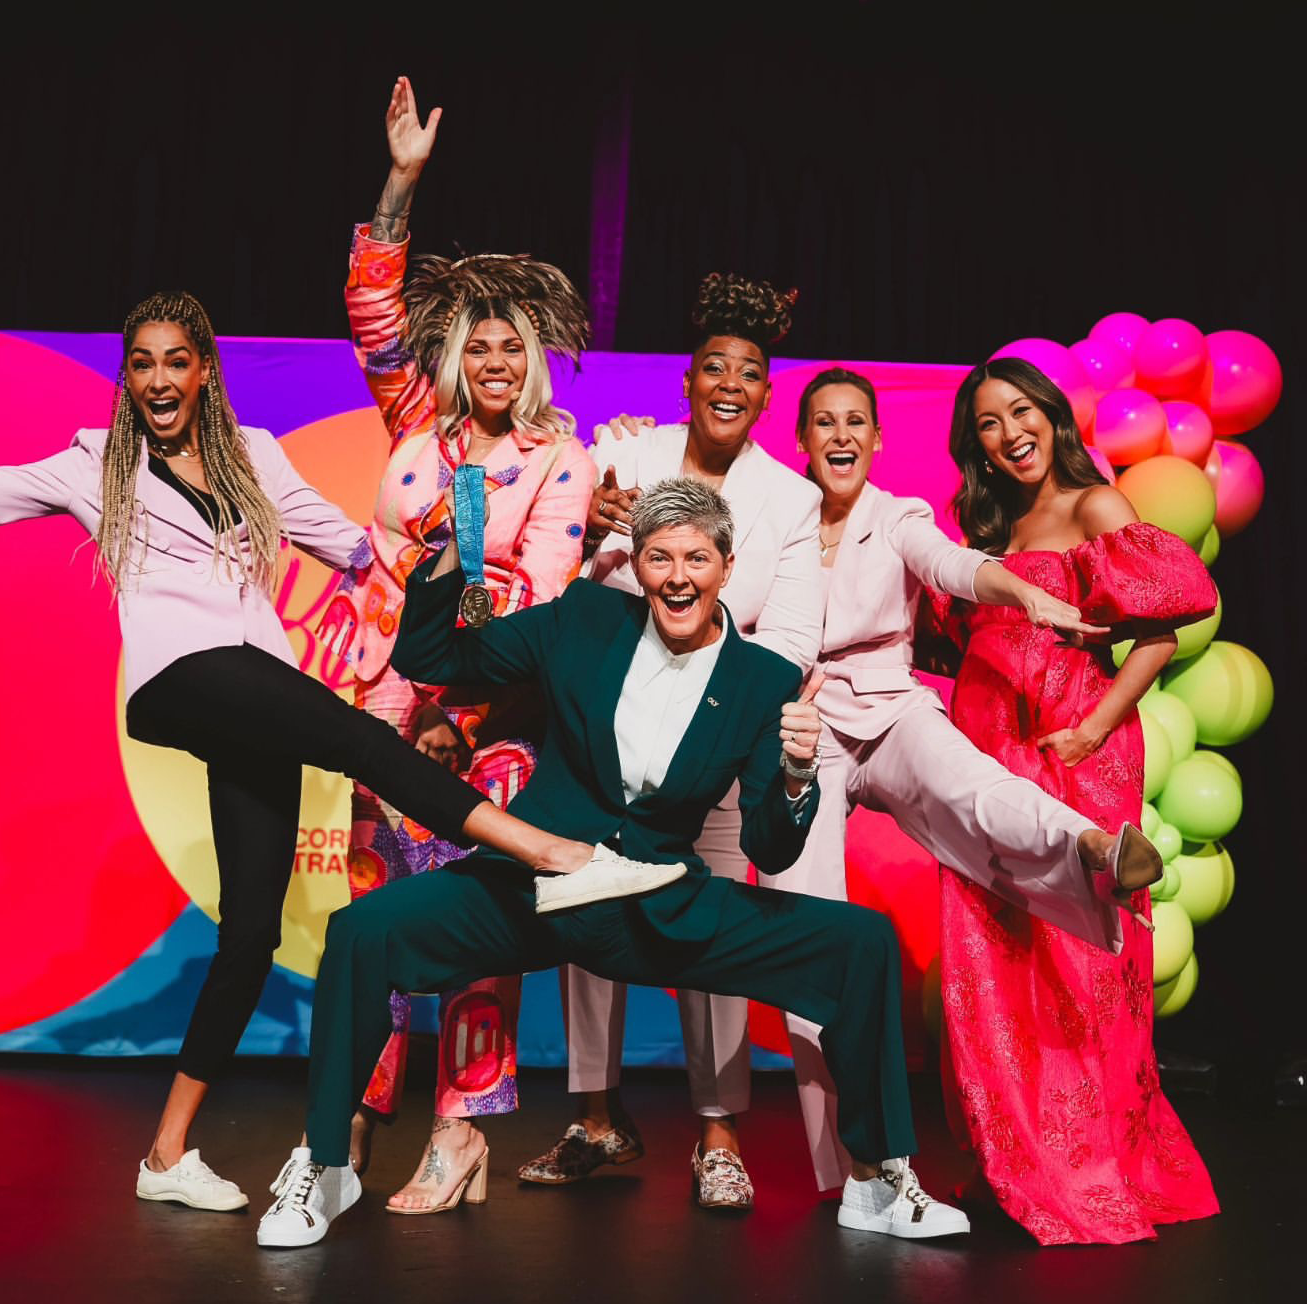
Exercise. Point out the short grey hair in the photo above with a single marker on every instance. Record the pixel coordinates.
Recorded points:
(682, 501)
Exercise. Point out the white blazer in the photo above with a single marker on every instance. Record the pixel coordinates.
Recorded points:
(890, 548)
(774, 593)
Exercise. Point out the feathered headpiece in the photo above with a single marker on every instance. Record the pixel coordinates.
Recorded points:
(750, 310)
(438, 288)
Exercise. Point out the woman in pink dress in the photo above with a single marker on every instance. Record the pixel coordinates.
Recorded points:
(1050, 1040)
(456, 359)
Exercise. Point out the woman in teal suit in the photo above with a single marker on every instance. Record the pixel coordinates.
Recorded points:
(656, 707)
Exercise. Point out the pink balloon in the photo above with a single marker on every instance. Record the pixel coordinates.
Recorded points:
(1123, 328)
(1097, 457)
(1130, 426)
(1189, 432)
(1107, 364)
(1063, 369)
(1245, 383)
(1170, 357)
(1240, 485)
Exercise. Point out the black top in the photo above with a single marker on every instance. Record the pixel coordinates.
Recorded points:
(205, 504)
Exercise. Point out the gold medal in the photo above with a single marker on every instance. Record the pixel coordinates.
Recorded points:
(476, 606)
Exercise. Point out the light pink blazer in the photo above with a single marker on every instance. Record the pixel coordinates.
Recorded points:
(890, 548)
(179, 602)
(774, 593)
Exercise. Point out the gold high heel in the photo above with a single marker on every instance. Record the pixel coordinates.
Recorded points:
(473, 1187)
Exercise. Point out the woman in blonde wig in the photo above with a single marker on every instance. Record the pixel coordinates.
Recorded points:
(455, 355)
(190, 510)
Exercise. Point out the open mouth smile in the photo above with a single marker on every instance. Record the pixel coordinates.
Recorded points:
(1022, 453)
(164, 411)
(726, 411)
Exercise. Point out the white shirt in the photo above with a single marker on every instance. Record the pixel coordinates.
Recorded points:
(660, 694)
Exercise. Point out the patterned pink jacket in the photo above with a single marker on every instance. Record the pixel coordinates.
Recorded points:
(541, 489)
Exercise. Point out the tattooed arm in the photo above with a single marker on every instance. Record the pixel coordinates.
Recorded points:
(410, 147)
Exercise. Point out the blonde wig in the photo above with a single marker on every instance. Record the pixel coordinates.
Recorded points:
(232, 479)
(447, 299)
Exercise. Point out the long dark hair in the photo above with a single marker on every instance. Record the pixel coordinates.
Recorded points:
(988, 502)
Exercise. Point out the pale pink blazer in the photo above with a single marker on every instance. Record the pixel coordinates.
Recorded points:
(774, 593)
(890, 548)
(179, 602)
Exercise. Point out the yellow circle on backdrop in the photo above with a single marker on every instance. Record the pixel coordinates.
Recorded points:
(343, 457)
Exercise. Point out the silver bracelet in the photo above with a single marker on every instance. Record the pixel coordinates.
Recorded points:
(795, 772)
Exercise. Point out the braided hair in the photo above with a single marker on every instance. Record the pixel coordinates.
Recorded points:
(747, 310)
(227, 466)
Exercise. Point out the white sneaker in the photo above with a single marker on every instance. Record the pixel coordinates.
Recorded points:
(606, 875)
(895, 1204)
(311, 1196)
(190, 1181)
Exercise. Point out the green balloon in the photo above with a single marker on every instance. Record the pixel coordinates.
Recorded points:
(1149, 820)
(1168, 885)
(1168, 842)
(1173, 942)
(1176, 719)
(1200, 799)
(1172, 996)
(1205, 877)
(1191, 639)
(1121, 650)
(1157, 757)
(1221, 762)
(1228, 688)
(1210, 548)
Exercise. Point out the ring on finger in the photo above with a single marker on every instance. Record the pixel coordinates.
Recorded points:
(603, 509)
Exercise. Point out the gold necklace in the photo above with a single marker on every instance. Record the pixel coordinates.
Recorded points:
(825, 546)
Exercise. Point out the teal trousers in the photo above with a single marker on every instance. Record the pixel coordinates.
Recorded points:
(833, 963)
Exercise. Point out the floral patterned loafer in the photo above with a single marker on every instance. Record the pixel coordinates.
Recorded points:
(720, 1179)
(577, 1155)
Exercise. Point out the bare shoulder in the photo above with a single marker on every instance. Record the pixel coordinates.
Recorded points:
(1101, 509)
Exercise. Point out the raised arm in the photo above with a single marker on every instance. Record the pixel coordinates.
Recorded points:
(378, 259)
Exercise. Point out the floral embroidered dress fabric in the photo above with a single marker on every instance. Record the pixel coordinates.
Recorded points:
(539, 495)
(1051, 1040)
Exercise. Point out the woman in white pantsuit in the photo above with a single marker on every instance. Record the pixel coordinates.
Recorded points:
(886, 742)
(774, 597)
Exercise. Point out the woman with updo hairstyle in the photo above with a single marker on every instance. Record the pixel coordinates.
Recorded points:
(886, 743)
(455, 352)
(773, 597)
(1072, 1135)
(190, 511)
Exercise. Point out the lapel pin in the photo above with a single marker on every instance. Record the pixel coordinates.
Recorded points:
(712, 701)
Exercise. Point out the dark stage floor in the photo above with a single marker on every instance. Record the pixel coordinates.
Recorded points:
(72, 1132)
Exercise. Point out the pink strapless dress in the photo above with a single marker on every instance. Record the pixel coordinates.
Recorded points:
(1051, 1040)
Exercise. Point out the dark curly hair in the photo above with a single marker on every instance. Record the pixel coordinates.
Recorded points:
(988, 503)
(748, 310)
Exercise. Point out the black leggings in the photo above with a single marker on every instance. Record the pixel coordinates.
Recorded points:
(254, 721)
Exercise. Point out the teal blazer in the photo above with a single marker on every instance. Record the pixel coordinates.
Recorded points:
(578, 649)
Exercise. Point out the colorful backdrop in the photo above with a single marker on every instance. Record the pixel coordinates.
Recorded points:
(106, 867)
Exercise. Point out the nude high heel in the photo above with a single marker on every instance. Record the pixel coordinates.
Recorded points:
(1134, 864)
(472, 1187)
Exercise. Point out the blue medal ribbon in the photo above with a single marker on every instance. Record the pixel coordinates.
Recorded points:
(470, 521)
(476, 606)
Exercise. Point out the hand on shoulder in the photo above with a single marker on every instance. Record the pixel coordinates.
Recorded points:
(1102, 509)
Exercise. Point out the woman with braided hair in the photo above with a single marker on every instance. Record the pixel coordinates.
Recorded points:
(774, 596)
(455, 355)
(189, 511)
